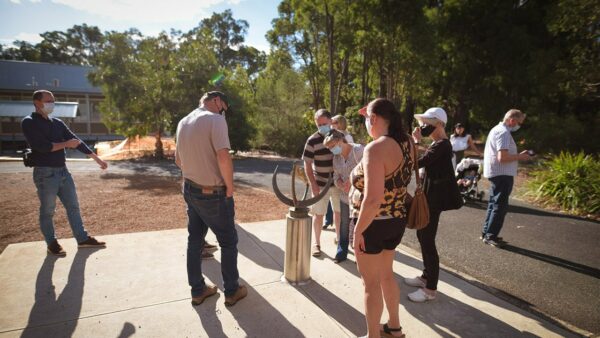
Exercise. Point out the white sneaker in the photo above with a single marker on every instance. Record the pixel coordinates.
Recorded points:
(420, 296)
(417, 281)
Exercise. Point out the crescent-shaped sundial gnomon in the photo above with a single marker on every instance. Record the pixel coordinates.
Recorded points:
(294, 202)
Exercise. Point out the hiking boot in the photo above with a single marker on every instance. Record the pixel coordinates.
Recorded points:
(239, 294)
(209, 291)
(55, 249)
(207, 255)
(209, 247)
(91, 242)
(494, 242)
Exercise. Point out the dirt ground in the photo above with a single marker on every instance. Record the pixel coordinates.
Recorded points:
(114, 204)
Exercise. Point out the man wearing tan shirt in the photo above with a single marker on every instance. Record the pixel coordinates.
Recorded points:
(202, 153)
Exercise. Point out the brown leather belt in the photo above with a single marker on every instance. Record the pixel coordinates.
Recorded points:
(206, 189)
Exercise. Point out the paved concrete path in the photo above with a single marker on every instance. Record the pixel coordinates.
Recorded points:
(137, 287)
(552, 265)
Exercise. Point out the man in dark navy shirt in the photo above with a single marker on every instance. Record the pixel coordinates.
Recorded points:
(48, 138)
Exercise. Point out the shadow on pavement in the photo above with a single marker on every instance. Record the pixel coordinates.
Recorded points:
(209, 317)
(448, 316)
(273, 251)
(128, 330)
(490, 323)
(520, 209)
(254, 314)
(580, 268)
(65, 309)
(332, 305)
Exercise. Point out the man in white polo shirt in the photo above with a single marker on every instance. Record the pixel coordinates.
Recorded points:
(500, 161)
(202, 153)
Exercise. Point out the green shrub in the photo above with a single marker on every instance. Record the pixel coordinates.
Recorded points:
(571, 181)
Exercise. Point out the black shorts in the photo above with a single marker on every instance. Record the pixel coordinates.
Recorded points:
(384, 234)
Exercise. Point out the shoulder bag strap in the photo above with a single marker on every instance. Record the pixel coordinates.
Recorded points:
(415, 161)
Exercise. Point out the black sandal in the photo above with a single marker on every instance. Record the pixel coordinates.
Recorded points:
(387, 332)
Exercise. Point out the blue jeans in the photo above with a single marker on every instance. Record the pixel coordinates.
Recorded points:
(329, 214)
(57, 181)
(342, 249)
(214, 211)
(500, 189)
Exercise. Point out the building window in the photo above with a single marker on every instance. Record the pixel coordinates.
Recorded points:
(95, 111)
(82, 111)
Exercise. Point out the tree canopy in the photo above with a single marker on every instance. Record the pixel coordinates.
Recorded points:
(476, 59)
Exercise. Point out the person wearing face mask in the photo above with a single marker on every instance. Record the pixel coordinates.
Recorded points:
(345, 157)
(202, 153)
(378, 194)
(500, 161)
(48, 137)
(318, 166)
(461, 142)
(439, 187)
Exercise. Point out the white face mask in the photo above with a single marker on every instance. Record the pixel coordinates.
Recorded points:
(48, 108)
(515, 128)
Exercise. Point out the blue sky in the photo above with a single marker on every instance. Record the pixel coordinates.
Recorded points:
(26, 19)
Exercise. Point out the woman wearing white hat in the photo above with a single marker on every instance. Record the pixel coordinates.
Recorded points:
(439, 184)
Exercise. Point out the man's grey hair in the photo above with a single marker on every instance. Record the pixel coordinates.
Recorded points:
(514, 114)
(39, 94)
(321, 113)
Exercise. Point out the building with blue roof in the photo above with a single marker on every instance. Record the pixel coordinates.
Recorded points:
(77, 100)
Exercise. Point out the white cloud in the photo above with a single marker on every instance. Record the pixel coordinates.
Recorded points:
(29, 37)
(144, 11)
(18, 2)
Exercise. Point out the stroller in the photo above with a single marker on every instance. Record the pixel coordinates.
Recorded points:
(468, 173)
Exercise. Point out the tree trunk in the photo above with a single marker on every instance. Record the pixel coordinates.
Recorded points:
(343, 79)
(158, 146)
(409, 112)
(330, 47)
(364, 79)
(382, 78)
(461, 113)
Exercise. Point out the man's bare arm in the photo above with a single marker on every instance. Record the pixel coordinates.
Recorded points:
(226, 168)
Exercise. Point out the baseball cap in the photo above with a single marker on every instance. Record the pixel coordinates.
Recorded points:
(433, 113)
(218, 94)
(363, 111)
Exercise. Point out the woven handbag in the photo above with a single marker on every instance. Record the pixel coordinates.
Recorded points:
(418, 210)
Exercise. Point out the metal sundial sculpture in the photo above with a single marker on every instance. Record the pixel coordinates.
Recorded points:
(299, 225)
(303, 204)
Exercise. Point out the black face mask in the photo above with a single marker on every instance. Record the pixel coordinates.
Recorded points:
(427, 129)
